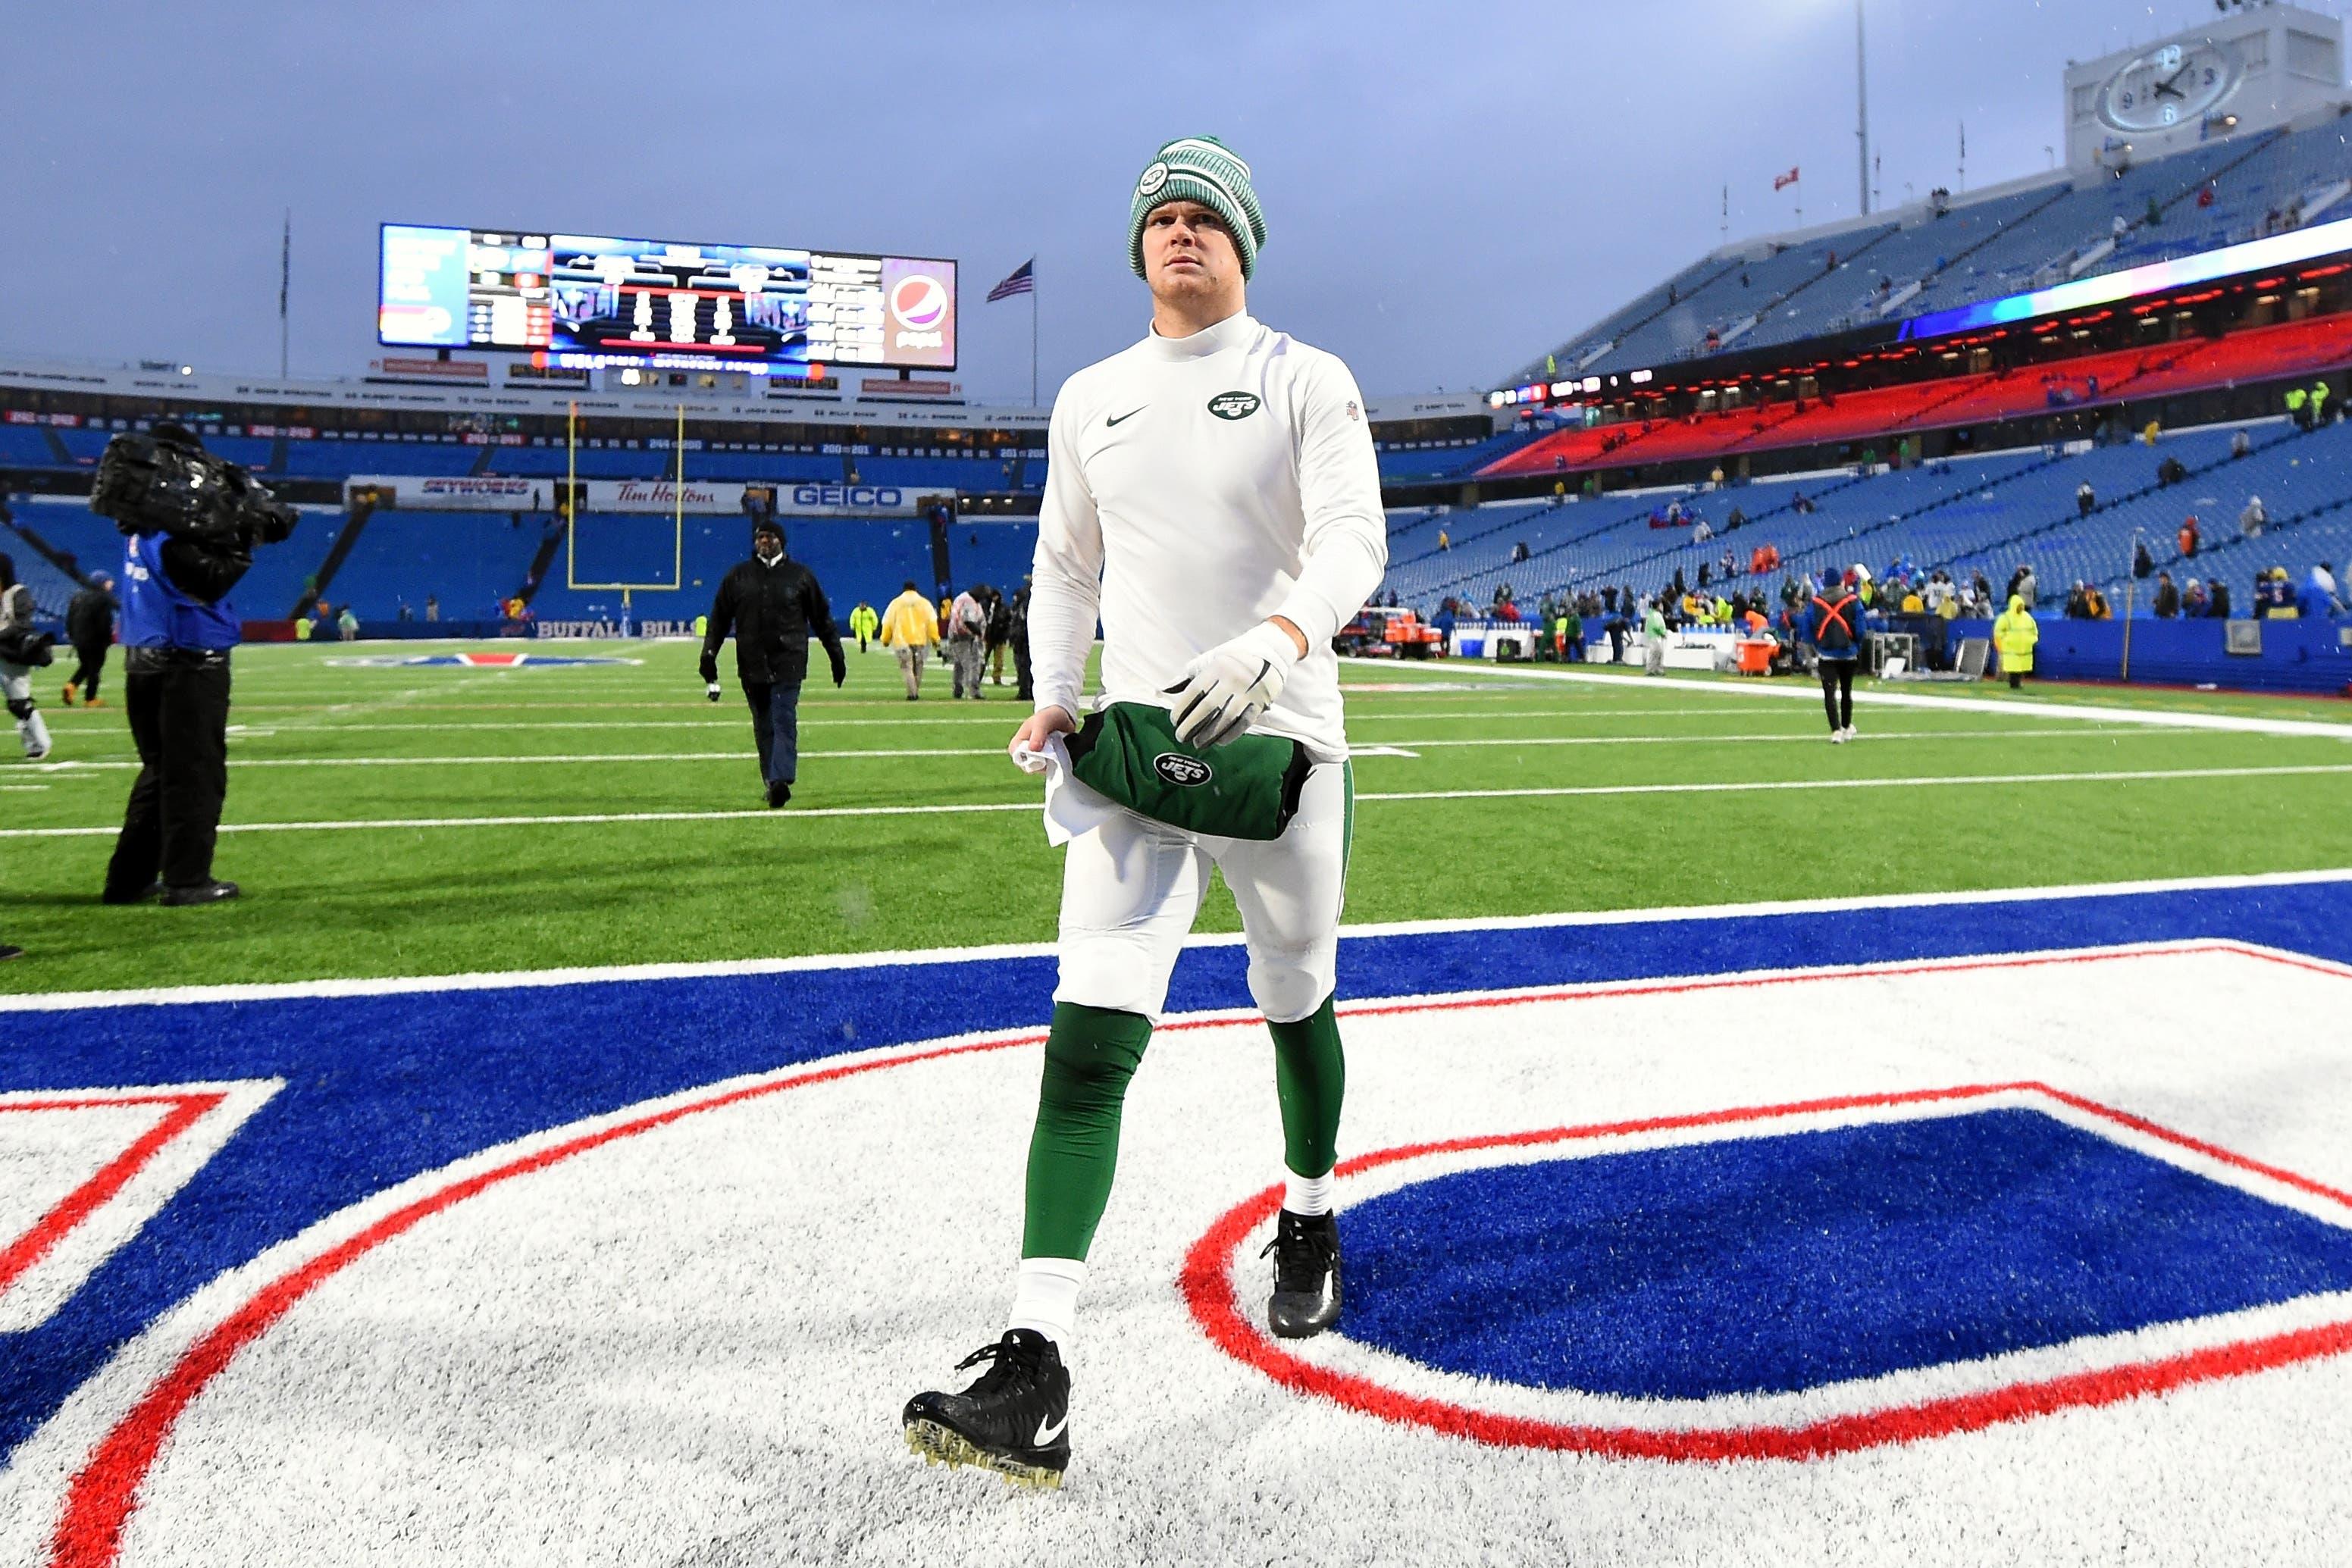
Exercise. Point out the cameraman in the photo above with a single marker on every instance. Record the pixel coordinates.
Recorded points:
(189, 523)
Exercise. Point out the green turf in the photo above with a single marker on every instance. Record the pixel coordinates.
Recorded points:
(317, 742)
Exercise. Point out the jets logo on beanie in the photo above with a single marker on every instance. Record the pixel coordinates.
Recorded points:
(1199, 168)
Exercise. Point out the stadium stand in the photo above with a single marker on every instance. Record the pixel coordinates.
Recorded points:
(1786, 290)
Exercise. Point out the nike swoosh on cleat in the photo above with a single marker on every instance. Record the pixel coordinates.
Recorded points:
(1047, 1433)
(1130, 413)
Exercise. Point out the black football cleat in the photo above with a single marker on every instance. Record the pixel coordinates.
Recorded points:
(1014, 1419)
(200, 893)
(779, 792)
(1306, 1250)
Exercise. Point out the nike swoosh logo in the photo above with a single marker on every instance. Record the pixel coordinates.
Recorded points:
(1130, 413)
(1047, 1433)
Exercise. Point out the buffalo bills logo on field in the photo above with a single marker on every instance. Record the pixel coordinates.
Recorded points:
(1787, 1281)
(1233, 404)
(919, 302)
(1177, 768)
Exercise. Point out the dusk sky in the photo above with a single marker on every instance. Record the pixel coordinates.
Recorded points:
(1449, 189)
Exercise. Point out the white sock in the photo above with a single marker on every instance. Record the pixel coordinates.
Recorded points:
(1306, 1194)
(1045, 1297)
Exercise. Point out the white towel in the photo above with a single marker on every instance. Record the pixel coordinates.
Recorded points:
(1071, 807)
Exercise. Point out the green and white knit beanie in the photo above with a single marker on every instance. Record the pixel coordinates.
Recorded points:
(1199, 168)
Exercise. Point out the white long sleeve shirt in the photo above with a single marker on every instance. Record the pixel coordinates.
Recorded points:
(1196, 486)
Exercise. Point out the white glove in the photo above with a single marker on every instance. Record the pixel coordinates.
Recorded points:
(1224, 689)
(712, 688)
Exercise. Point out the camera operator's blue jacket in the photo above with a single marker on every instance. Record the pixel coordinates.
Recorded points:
(157, 614)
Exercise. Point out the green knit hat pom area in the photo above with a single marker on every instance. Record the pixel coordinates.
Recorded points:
(1199, 168)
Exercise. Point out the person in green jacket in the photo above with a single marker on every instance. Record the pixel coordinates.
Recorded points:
(1654, 640)
(862, 623)
(2015, 634)
(1572, 636)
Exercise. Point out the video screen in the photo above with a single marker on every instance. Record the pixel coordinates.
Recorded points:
(587, 302)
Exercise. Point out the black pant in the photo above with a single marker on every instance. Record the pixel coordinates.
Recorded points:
(776, 717)
(177, 703)
(89, 662)
(1027, 691)
(1837, 691)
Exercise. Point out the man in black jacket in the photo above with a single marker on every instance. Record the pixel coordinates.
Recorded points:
(89, 627)
(773, 606)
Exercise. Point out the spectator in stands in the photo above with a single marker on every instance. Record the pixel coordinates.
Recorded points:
(2167, 598)
(1444, 542)
(2188, 537)
(1654, 640)
(2014, 634)
(862, 623)
(2171, 471)
(2143, 562)
(2298, 407)
(2320, 600)
(2274, 595)
(2085, 498)
(1979, 594)
(2241, 444)
(967, 628)
(909, 629)
(2078, 604)
(89, 627)
(2218, 600)
(2193, 604)
(2095, 604)
(2021, 585)
(2319, 401)
(1519, 551)
(2253, 519)
(1832, 625)
(772, 606)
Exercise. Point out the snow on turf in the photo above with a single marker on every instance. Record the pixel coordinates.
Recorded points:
(691, 1345)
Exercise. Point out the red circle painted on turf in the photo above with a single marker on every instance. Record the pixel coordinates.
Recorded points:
(1207, 1284)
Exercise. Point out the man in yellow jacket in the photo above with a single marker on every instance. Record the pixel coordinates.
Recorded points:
(910, 628)
(862, 623)
(2014, 634)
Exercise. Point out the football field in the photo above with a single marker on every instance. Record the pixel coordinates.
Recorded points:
(387, 817)
(1757, 1150)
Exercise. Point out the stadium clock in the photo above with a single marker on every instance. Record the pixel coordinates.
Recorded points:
(2171, 86)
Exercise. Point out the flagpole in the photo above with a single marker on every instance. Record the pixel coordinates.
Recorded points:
(285, 282)
(1033, 334)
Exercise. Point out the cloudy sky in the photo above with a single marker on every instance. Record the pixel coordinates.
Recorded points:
(1450, 188)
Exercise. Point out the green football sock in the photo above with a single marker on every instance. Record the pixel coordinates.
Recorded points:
(1090, 1054)
(1311, 1078)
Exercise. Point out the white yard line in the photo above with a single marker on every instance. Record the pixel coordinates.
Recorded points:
(1007, 719)
(1809, 736)
(1740, 788)
(272, 990)
(1880, 697)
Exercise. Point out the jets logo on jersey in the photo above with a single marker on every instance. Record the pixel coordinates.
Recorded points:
(1233, 404)
(1177, 768)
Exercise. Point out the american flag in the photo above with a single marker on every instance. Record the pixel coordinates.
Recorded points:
(1787, 179)
(1022, 281)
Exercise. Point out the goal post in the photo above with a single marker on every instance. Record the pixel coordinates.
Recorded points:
(623, 548)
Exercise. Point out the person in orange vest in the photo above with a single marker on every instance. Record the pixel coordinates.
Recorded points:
(2189, 537)
(1833, 626)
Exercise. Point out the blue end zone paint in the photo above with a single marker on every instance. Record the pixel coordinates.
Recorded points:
(1780, 1262)
(380, 1088)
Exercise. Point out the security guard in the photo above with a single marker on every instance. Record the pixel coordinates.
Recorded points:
(773, 605)
(177, 630)
(862, 623)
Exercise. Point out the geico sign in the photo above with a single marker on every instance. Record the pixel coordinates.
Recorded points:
(863, 497)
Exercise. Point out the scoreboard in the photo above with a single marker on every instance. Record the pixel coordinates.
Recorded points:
(587, 302)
